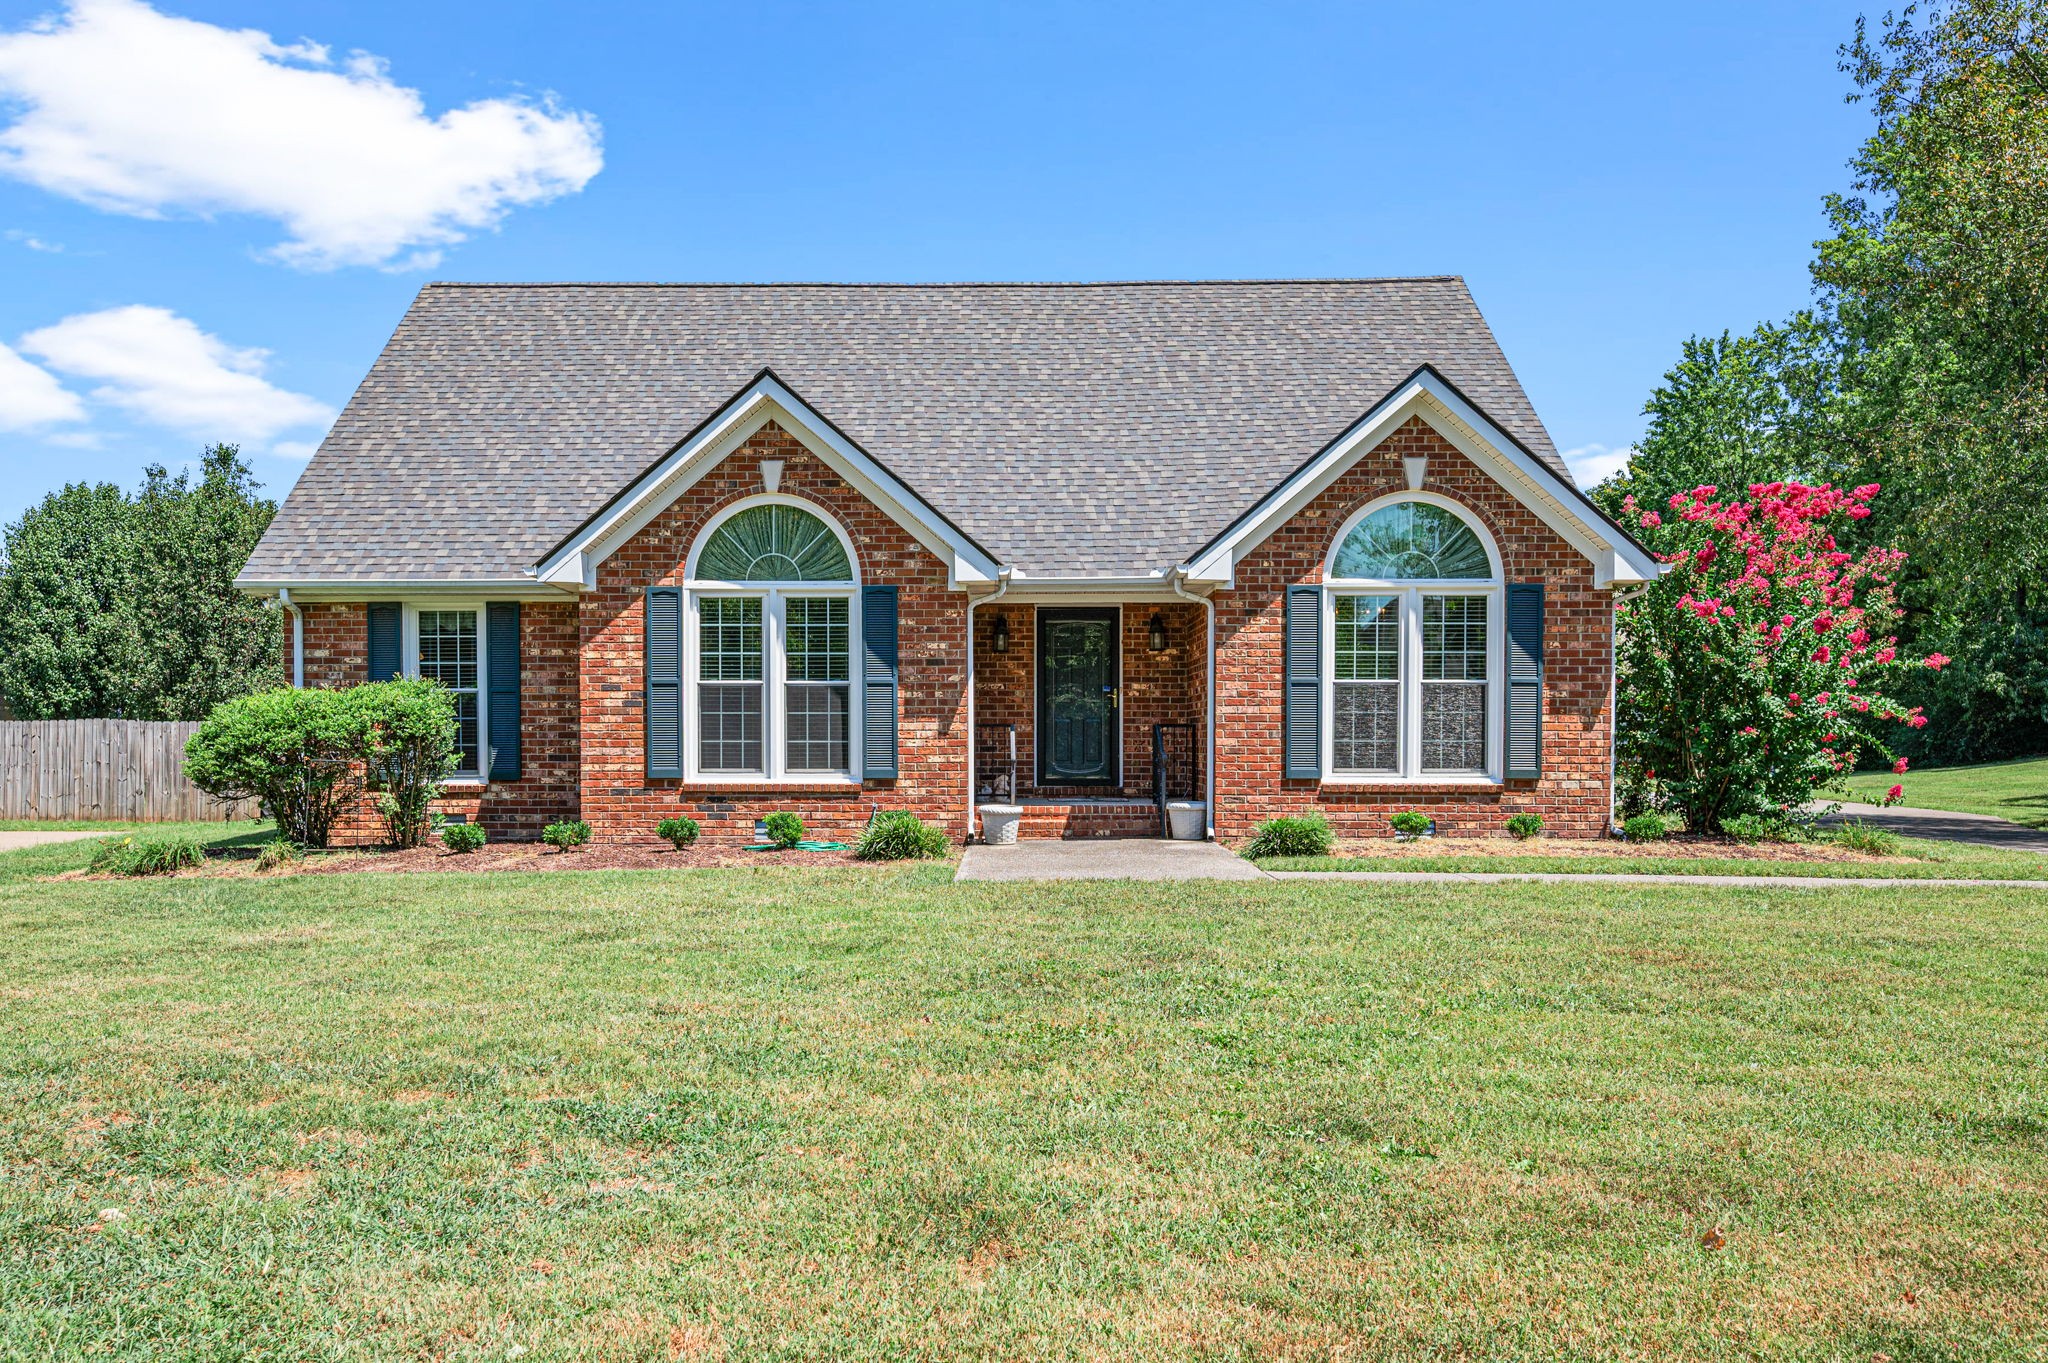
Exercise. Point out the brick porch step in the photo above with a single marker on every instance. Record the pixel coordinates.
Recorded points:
(1089, 819)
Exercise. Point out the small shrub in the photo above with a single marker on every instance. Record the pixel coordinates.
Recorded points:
(1525, 826)
(463, 837)
(1411, 823)
(1756, 828)
(1293, 835)
(1644, 828)
(900, 835)
(1859, 836)
(565, 836)
(146, 857)
(784, 830)
(278, 852)
(680, 831)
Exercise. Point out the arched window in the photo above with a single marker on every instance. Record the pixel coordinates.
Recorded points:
(1413, 594)
(771, 640)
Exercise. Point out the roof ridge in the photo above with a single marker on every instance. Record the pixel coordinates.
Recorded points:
(931, 284)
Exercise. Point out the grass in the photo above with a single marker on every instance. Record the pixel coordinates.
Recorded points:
(2011, 790)
(1930, 860)
(787, 1114)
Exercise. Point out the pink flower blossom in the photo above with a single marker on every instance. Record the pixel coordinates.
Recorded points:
(1899, 767)
(1894, 795)
(1936, 661)
(1821, 654)
(1652, 519)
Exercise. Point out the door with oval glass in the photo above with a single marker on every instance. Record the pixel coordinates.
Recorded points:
(1078, 728)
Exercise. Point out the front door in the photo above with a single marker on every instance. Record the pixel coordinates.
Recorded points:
(1077, 697)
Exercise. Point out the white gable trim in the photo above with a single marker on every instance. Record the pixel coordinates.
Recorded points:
(575, 561)
(1617, 560)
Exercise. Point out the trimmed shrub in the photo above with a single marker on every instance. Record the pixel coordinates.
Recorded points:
(132, 856)
(784, 830)
(461, 838)
(1859, 836)
(566, 836)
(900, 835)
(680, 831)
(1411, 823)
(1524, 826)
(1292, 835)
(1644, 828)
(411, 730)
(279, 852)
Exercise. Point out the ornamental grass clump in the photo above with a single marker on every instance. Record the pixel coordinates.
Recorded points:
(678, 832)
(1859, 836)
(1292, 835)
(1755, 673)
(900, 835)
(146, 856)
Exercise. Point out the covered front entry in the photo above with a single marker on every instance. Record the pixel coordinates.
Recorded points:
(1078, 700)
(1089, 715)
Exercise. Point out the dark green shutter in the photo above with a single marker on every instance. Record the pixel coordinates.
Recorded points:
(1302, 724)
(664, 702)
(501, 670)
(386, 640)
(878, 683)
(1525, 681)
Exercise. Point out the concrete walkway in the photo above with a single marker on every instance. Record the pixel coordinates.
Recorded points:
(1598, 878)
(14, 842)
(1106, 859)
(1949, 824)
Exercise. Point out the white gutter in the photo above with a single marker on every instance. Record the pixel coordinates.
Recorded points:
(974, 604)
(284, 599)
(1209, 693)
(1614, 702)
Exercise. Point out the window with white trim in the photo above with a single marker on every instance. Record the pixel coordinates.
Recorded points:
(448, 647)
(771, 637)
(1411, 668)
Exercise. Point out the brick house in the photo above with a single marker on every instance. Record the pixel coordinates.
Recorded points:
(725, 550)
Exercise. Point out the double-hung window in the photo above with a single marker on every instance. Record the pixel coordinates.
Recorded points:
(1414, 628)
(447, 647)
(772, 639)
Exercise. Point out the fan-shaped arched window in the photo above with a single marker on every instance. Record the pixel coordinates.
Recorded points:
(770, 646)
(1406, 540)
(1414, 633)
(773, 543)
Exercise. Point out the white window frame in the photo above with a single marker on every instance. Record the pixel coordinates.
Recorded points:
(774, 597)
(410, 615)
(1408, 594)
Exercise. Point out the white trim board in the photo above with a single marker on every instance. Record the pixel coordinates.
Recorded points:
(576, 561)
(1617, 561)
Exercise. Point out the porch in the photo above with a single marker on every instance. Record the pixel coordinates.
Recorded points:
(1090, 717)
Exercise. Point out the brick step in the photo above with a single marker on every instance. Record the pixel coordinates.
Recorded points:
(1089, 819)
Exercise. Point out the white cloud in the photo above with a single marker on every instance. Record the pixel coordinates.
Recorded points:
(160, 367)
(144, 113)
(32, 397)
(294, 449)
(1592, 464)
(35, 243)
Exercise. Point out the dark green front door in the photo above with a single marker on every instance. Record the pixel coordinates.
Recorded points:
(1077, 697)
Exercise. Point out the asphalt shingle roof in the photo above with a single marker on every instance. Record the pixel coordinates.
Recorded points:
(1071, 429)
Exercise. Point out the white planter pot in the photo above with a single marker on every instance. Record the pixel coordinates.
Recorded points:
(999, 824)
(1189, 819)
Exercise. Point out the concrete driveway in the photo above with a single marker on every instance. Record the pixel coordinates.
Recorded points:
(14, 842)
(1106, 859)
(1947, 824)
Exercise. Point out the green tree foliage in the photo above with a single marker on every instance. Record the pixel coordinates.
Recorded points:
(119, 606)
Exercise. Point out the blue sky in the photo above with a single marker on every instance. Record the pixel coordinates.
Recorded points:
(207, 233)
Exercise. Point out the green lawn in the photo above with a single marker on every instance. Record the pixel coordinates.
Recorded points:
(783, 1114)
(1931, 860)
(2011, 790)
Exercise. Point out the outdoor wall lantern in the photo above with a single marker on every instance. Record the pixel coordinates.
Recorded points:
(1002, 634)
(1155, 633)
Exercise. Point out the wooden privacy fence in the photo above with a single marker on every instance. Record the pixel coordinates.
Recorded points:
(117, 769)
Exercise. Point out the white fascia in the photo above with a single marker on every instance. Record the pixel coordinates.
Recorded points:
(576, 561)
(1617, 561)
(306, 589)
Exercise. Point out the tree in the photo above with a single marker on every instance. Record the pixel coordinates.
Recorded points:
(124, 607)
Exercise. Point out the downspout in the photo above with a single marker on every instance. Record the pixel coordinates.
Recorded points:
(1621, 598)
(1002, 587)
(284, 599)
(1175, 581)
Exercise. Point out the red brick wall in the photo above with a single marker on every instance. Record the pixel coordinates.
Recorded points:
(1572, 794)
(337, 654)
(1157, 688)
(622, 804)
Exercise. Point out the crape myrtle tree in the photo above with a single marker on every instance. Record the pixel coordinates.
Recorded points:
(1760, 668)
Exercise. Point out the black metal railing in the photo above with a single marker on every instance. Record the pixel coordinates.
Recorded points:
(1174, 768)
(995, 763)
